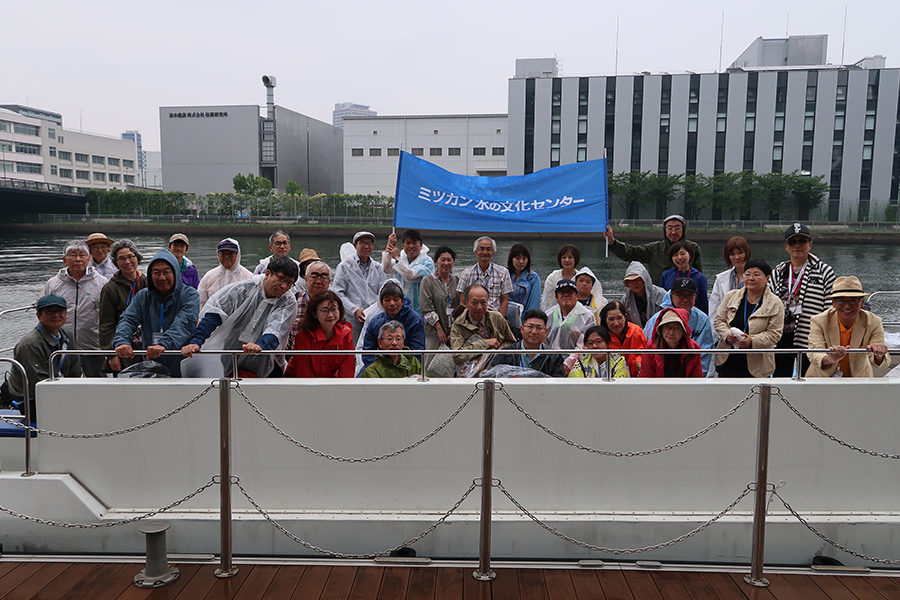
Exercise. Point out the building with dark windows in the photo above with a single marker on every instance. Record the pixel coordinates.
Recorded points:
(777, 109)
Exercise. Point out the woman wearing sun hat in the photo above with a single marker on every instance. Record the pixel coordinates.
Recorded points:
(843, 326)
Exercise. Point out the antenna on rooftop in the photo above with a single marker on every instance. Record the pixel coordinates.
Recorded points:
(617, 45)
(721, 41)
(844, 36)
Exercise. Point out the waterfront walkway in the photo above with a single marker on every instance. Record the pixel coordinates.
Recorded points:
(113, 581)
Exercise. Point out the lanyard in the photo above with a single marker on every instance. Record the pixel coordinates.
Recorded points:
(59, 346)
(162, 306)
(794, 288)
(135, 287)
(446, 287)
(746, 317)
(486, 276)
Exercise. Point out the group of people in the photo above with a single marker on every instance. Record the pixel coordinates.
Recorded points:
(413, 299)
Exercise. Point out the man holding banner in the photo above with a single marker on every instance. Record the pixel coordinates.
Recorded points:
(493, 277)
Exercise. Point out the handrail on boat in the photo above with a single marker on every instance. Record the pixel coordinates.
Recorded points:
(28, 472)
(17, 309)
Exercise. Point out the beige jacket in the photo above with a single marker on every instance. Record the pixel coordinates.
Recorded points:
(766, 325)
(461, 330)
(824, 331)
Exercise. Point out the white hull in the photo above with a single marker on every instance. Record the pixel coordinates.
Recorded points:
(368, 507)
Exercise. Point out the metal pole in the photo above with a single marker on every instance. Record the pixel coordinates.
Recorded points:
(484, 572)
(28, 472)
(799, 375)
(234, 366)
(225, 568)
(608, 367)
(755, 578)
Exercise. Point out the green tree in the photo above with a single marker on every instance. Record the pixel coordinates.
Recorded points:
(292, 188)
(632, 191)
(809, 191)
(662, 190)
(774, 191)
(698, 192)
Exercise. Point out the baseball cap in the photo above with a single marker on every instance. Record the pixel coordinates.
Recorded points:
(362, 234)
(51, 300)
(684, 284)
(226, 244)
(179, 237)
(797, 229)
(566, 285)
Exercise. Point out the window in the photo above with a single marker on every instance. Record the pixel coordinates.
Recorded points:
(356, 152)
(27, 168)
(478, 151)
(435, 151)
(7, 167)
(750, 124)
(435, 132)
(129, 179)
(393, 151)
(53, 170)
(867, 152)
(5, 126)
(498, 151)
(498, 132)
(374, 151)
(128, 164)
(838, 123)
(809, 123)
(26, 129)
(454, 152)
(53, 151)
(692, 124)
(6, 146)
(51, 133)
(63, 155)
(776, 153)
(81, 157)
(28, 149)
(418, 152)
(82, 175)
(115, 178)
(65, 173)
(720, 124)
(582, 154)
(98, 160)
(112, 162)
(61, 139)
(374, 133)
(99, 176)
(870, 121)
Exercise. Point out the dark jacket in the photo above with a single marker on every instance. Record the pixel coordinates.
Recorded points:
(114, 299)
(413, 326)
(548, 364)
(655, 255)
(179, 315)
(33, 351)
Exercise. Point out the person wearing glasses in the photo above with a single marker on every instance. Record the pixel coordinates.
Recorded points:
(749, 317)
(492, 277)
(593, 363)
(323, 328)
(252, 316)
(279, 245)
(843, 326)
(395, 307)
(534, 332)
(115, 297)
(655, 255)
(804, 284)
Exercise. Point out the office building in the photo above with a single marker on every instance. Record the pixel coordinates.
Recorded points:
(348, 109)
(462, 144)
(771, 111)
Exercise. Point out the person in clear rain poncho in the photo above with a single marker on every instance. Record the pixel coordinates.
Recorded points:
(252, 316)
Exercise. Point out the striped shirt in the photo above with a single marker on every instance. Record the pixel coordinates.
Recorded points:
(817, 281)
(496, 280)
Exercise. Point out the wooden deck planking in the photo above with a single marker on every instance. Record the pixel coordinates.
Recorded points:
(109, 581)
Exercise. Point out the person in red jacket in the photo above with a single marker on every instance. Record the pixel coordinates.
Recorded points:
(625, 334)
(323, 328)
(671, 332)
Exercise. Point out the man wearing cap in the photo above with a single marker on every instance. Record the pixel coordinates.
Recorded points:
(165, 313)
(493, 277)
(81, 286)
(279, 245)
(411, 264)
(684, 295)
(99, 245)
(229, 270)
(804, 284)
(568, 320)
(655, 255)
(843, 326)
(357, 280)
(35, 348)
(178, 245)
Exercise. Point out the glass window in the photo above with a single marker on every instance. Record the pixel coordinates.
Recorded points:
(555, 126)
(6, 146)
(26, 129)
(356, 152)
(98, 160)
(7, 166)
(112, 162)
(554, 155)
(129, 179)
(841, 93)
(28, 148)
(870, 121)
(27, 168)
(51, 133)
(63, 155)
(582, 125)
(99, 176)
(418, 152)
(374, 151)
(776, 153)
(454, 152)
(53, 151)
(839, 123)
(81, 157)
(115, 178)
(720, 124)
(393, 151)
(750, 124)
(5, 126)
(128, 164)
(478, 151)
(435, 151)
(65, 173)
(582, 154)
(498, 151)
(692, 125)
(53, 170)
(809, 123)
(867, 152)
(779, 123)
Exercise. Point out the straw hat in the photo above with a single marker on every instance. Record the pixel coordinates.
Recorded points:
(847, 287)
(307, 254)
(98, 238)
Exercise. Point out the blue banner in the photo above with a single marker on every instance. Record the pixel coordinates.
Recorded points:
(569, 198)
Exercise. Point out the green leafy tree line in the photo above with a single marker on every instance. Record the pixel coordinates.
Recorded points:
(744, 195)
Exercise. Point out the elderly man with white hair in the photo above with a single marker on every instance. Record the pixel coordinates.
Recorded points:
(493, 277)
(80, 285)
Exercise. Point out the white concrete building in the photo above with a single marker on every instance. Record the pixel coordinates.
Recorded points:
(462, 144)
(35, 147)
(349, 109)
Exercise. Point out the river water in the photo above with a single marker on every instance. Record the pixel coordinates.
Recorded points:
(28, 261)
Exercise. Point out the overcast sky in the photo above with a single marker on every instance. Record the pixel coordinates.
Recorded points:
(108, 66)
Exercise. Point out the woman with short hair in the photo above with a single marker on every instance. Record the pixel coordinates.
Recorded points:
(115, 297)
(323, 328)
(736, 253)
(624, 334)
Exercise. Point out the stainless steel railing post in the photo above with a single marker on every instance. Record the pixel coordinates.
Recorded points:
(28, 472)
(755, 578)
(226, 569)
(799, 373)
(484, 572)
